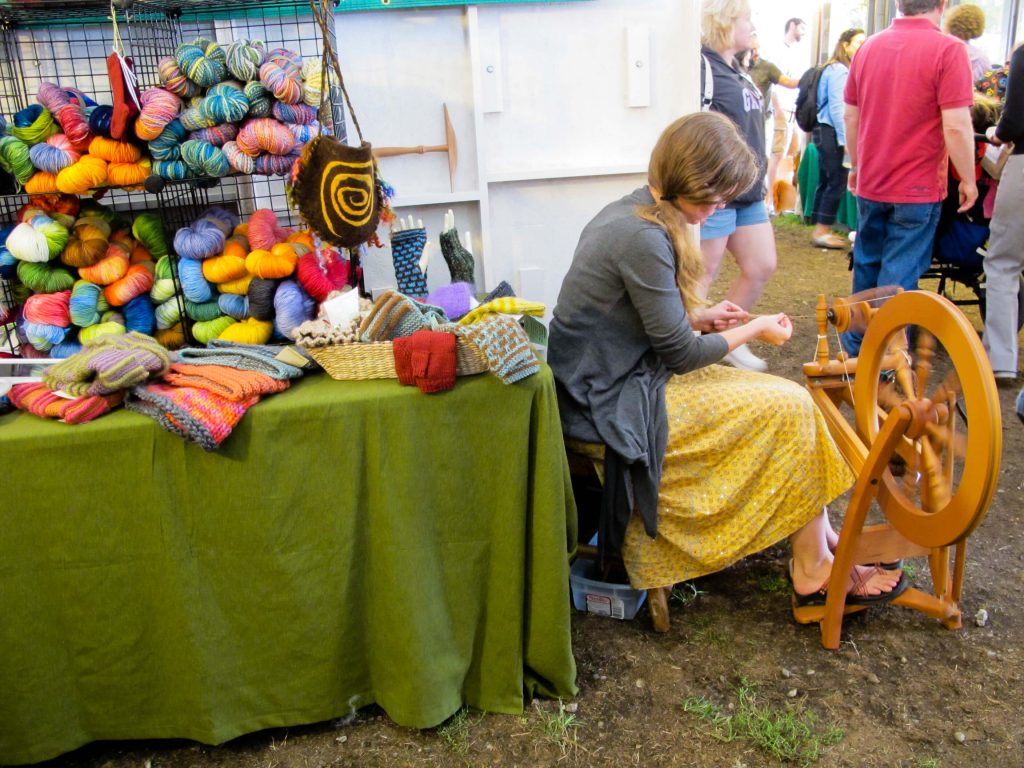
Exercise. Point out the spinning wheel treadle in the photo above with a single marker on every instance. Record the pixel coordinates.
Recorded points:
(925, 442)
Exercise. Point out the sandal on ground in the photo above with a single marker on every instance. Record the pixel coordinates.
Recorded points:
(819, 597)
(835, 242)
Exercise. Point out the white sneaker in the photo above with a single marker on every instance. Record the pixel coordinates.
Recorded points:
(743, 358)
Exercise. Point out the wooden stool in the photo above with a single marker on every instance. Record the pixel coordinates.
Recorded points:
(586, 461)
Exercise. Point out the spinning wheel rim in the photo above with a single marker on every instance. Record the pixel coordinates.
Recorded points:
(966, 508)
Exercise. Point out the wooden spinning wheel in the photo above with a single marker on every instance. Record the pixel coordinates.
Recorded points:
(925, 442)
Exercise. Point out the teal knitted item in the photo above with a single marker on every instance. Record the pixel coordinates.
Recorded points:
(459, 260)
(406, 249)
(395, 316)
(246, 357)
(505, 346)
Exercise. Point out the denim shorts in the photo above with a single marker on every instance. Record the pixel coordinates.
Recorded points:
(724, 222)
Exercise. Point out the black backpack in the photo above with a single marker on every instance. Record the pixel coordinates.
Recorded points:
(806, 112)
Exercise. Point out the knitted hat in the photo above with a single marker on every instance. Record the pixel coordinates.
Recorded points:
(194, 414)
(426, 359)
(246, 357)
(40, 400)
(108, 364)
(509, 305)
(231, 383)
(455, 299)
(505, 346)
(394, 315)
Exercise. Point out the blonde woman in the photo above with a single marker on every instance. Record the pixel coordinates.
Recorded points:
(742, 226)
(720, 462)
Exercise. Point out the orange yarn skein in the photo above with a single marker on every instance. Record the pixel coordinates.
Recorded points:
(136, 281)
(278, 262)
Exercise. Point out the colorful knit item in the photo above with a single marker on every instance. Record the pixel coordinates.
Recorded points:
(108, 364)
(394, 316)
(426, 359)
(504, 306)
(195, 414)
(459, 260)
(505, 346)
(231, 383)
(40, 400)
(406, 249)
(246, 357)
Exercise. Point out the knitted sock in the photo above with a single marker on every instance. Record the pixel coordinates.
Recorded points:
(195, 414)
(108, 364)
(501, 291)
(246, 357)
(406, 249)
(426, 359)
(505, 346)
(394, 315)
(459, 260)
(509, 305)
(231, 383)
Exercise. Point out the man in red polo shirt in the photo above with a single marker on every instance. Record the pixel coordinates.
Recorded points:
(908, 100)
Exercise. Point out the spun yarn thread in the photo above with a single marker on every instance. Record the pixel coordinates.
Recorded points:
(167, 314)
(261, 100)
(33, 124)
(202, 311)
(233, 305)
(312, 82)
(200, 241)
(101, 330)
(248, 331)
(264, 232)
(292, 307)
(139, 315)
(174, 80)
(16, 158)
(206, 331)
(218, 135)
(204, 158)
(237, 159)
(167, 145)
(83, 305)
(224, 104)
(149, 230)
(113, 151)
(261, 298)
(41, 183)
(88, 173)
(283, 79)
(48, 308)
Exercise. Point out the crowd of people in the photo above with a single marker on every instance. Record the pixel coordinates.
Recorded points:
(723, 461)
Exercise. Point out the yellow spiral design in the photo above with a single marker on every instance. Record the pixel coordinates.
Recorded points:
(347, 195)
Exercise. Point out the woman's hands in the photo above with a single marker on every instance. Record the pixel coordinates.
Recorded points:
(775, 329)
(721, 316)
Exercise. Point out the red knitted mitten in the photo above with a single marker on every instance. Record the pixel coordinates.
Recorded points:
(126, 94)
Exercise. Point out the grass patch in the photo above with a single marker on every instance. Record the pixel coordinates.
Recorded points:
(787, 735)
(772, 584)
(455, 732)
(789, 221)
(560, 727)
(702, 627)
(686, 593)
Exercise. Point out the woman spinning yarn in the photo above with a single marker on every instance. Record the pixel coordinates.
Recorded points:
(718, 462)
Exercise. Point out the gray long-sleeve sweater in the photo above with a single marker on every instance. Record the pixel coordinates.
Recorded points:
(619, 331)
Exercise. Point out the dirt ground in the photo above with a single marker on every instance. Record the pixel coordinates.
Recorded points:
(735, 682)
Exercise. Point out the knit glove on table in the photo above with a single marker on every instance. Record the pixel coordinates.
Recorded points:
(406, 249)
(426, 359)
(504, 306)
(195, 414)
(505, 346)
(394, 316)
(246, 357)
(460, 261)
(108, 364)
(40, 400)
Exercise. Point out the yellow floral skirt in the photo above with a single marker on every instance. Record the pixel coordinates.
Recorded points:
(749, 461)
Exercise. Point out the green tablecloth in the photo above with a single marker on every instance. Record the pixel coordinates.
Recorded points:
(350, 543)
(807, 179)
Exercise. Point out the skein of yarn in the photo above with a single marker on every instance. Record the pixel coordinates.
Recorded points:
(245, 57)
(200, 241)
(202, 62)
(33, 124)
(195, 287)
(159, 108)
(283, 79)
(264, 232)
(88, 173)
(16, 158)
(204, 158)
(264, 134)
(174, 79)
(53, 155)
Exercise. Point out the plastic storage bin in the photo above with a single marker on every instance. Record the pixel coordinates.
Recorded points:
(620, 601)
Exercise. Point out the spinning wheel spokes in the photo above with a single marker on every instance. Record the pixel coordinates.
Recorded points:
(950, 470)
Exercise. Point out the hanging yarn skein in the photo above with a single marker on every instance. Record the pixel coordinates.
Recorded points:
(202, 62)
(174, 79)
(265, 134)
(159, 108)
(245, 57)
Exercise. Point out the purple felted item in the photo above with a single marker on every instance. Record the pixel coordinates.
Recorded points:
(455, 299)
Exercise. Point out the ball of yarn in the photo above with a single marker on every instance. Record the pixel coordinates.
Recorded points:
(48, 308)
(204, 158)
(265, 134)
(167, 145)
(261, 100)
(171, 169)
(83, 307)
(276, 263)
(239, 287)
(312, 82)
(149, 230)
(111, 268)
(88, 173)
(33, 124)
(261, 298)
(54, 155)
(285, 57)
(101, 330)
(244, 59)
(264, 232)
(195, 119)
(16, 158)
(273, 165)
(233, 305)
(171, 338)
(292, 307)
(202, 311)
(26, 244)
(43, 277)
(167, 314)
(114, 151)
(224, 104)
(248, 331)
(100, 119)
(320, 274)
(41, 183)
(57, 205)
(72, 119)
(206, 331)
(200, 241)
(224, 268)
(218, 135)
(66, 348)
(129, 175)
(194, 285)
(174, 79)
(87, 243)
(136, 282)
(205, 65)
(283, 79)
(299, 114)
(139, 315)
(159, 108)
(239, 161)
(43, 336)
(163, 289)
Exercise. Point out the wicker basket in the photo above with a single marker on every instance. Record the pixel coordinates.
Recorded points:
(376, 360)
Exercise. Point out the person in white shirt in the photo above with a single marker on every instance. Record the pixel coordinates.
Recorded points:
(793, 60)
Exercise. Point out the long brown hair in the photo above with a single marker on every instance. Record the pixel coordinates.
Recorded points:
(702, 159)
(840, 53)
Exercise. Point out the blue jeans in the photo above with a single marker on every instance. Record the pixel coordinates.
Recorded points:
(893, 247)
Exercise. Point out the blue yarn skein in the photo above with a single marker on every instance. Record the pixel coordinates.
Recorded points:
(139, 315)
(83, 305)
(167, 146)
(195, 287)
(224, 104)
(233, 305)
(292, 307)
(43, 336)
(200, 241)
(204, 158)
(224, 220)
(49, 158)
(99, 120)
(174, 170)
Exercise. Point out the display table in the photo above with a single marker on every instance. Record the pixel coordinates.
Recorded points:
(351, 543)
